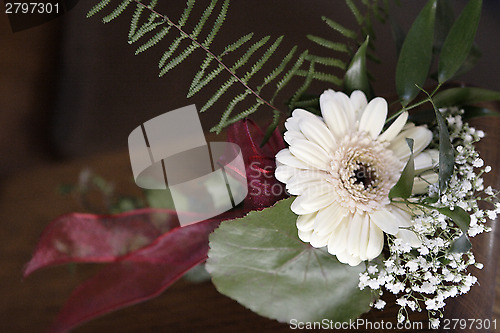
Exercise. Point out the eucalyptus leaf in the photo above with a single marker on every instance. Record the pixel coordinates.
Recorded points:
(464, 96)
(445, 17)
(458, 215)
(458, 44)
(404, 186)
(416, 54)
(446, 153)
(461, 245)
(471, 61)
(397, 34)
(259, 261)
(356, 77)
(476, 112)
(462, 219)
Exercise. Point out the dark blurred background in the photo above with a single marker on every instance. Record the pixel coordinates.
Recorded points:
(73, 87)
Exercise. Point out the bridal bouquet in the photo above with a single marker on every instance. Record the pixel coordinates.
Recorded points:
(359, 197)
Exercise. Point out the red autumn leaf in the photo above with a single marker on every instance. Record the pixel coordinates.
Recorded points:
(138, 276)
(98, 238)
(145, 259)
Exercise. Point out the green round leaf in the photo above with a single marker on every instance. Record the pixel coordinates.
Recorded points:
(259, 261)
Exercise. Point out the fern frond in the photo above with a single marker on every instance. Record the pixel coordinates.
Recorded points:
(258, 65)
(236, 45)
(97, 8)
(201, 23)
(239, 98)
(339, 47)
(172, 48)
(244, 59)
(177, 60)
(152, 29)
(154, 40)
(217, 25)
(240, 62)
(134, 33)
(278, 70)
(270, 129)
(333, 62)
(217, 129)
(118, 10)
(225, 86)
(320, 76)
(198, 83)
(343, 30)
(289, 75)
(147, 27)
(357, 14)
(186, 13)
(303, 88)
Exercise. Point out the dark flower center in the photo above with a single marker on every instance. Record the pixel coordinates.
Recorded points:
(365, 175)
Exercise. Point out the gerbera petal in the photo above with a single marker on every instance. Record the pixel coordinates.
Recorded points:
(386, 221)
(306, 179)
(310, 153)
(311, 201)
(426, 160)
(338, 238)
(319, 239)
(373, 118)
(290, 136)
(334, 114)
(329, 218)
(396, 127)
(358, 102)
(347, 258)
(305, 236)
(421, 138)
(402, 213)
(409, 237)
(375, 242)
(292, 124)
(316, 131)
(301, 113)
(306, 222)
(355, 227)
(364, 239)
(421, 183)
(285, 157)
(284, 172)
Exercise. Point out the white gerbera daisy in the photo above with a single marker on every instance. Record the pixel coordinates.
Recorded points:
(341, 168)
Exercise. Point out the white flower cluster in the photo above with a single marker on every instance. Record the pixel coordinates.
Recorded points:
(424, 277)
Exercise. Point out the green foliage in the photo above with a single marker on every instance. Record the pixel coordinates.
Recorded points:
(446, 152)
(148, 28)
(476, 112)
(403, 187)
(356, 76)
(259, 261)
(354, 44)
(462, 219)
(465, 96)
(458, 43)
(416, 55)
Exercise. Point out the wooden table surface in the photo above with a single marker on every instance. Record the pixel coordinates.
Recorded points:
(29, 200)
